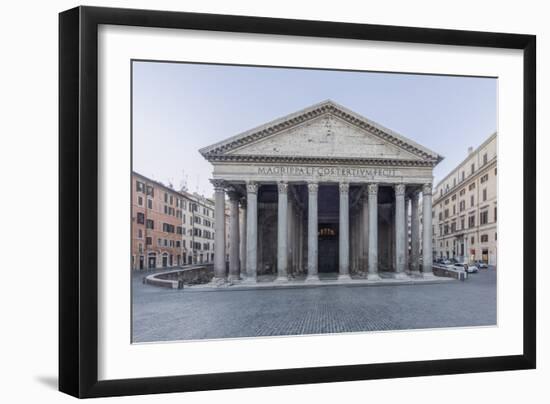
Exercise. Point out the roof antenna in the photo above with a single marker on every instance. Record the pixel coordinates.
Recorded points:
(183, 182)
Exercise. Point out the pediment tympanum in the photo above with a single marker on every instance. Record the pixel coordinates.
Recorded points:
(323, 131)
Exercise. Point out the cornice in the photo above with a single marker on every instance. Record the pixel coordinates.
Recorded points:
(321, 160)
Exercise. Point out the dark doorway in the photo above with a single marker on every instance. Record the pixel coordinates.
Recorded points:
(152, 262)
(141, 261)
(328, 247)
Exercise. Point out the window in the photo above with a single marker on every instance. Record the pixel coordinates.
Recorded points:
(159, 242)
(485, 178)
(495, 236)
(472, 168)
(473, 240)
(462, 205)
(140, 186)
(446, 213)
(485, 194)
(140, 233)
(471, 186)
(495, 171)
(168, 228)
(178, 243)
(140, 247)
(462, 223)
(454, 209)
(166, 197)
(484, 217)
(171, 200)
(485, 159)
(471, 221)
(150, 224)
(495, 213)
(440, 216)
(148, 240)
(462, 191)
(140, 218)
(463, 176)
(179, 230)
(472, 200)
(149, 203)
(446, 201)
(484, 238)
(140, 200)
(453, 227)
(150, 190)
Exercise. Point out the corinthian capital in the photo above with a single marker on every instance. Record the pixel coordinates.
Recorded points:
(282, 187)
(312, 187)
(219, 185)
(251, 187)
(373, 189)
(344, 187)
(399, 189)
(427, 189)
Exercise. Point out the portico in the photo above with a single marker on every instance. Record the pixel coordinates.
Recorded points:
(326, 191)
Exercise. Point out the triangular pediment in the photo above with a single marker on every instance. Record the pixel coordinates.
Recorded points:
(327, 131)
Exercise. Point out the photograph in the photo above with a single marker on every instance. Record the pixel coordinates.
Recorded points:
(286, 201)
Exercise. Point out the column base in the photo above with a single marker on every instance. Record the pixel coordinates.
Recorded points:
(234, 279)
(400, 276)
(281, 279)
(416, 273)
(428, 275)
(344, 277)
(217, 281)
(312, 278)
(373, 277)
(249, 280)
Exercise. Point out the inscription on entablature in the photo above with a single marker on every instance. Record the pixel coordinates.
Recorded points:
(308, 171)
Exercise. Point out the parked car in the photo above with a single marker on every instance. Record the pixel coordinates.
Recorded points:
(480, 264)
(469, 268)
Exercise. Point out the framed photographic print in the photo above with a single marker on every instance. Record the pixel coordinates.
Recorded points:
(251, 201)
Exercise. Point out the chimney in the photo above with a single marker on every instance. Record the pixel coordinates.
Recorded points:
(470, 150)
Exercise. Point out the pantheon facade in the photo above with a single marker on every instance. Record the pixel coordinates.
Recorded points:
(322, 190)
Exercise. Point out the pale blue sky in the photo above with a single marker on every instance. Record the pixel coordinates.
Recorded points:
(179, 108)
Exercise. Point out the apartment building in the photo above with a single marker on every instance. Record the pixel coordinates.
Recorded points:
(465, 208)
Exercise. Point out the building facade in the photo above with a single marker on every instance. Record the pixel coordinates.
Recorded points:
(465, 208)
(322, 190)
(170, 228)
(201, 230)
(157, 232)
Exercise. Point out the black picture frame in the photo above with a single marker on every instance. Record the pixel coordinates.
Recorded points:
(78, 201)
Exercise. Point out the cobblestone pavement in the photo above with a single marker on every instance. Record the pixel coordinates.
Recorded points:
(166, 315)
